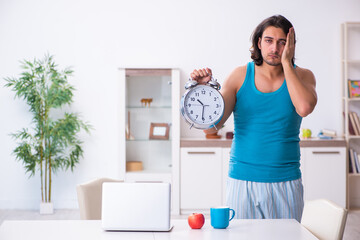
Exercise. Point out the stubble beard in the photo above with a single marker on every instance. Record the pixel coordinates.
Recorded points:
(272, 63)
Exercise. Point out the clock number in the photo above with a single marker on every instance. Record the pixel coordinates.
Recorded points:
(217, 105)
(189, 105)
(215, 99)
(192, 99)
(191, 112)
(197, 94)
(210, 117)
(215, 112)
(203, 92)
(196, 116)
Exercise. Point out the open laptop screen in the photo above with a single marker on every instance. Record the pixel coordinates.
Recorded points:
(136, 206)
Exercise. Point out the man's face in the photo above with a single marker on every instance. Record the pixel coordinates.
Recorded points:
(272, 44)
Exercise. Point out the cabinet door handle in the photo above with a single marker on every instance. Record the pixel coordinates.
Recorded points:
(326, 152)
(201, 152)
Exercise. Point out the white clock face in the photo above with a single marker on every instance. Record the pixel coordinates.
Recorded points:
(203, 105)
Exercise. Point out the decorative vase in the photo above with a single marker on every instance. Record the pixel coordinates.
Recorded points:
(46, 208)
(213, 136)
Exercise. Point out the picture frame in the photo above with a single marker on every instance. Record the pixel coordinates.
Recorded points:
(354, 88)
(159, 131)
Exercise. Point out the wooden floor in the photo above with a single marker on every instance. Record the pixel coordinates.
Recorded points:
(352, 229)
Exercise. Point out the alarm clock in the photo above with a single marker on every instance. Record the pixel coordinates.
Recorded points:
(202, 106)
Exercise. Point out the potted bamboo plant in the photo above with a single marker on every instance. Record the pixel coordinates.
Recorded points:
(52, 143)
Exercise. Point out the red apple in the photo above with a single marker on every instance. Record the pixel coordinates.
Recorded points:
(196, 220)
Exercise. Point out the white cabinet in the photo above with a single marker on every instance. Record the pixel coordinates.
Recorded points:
(225, 172)
(149, 130)
(201, 178)
(204, 171)
(324, 173)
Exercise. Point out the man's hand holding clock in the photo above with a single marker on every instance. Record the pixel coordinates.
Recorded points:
(202, 105)
(202, 76)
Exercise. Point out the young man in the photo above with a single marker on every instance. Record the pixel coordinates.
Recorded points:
(269, 97)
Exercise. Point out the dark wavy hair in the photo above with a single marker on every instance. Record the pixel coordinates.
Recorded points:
(274, 21)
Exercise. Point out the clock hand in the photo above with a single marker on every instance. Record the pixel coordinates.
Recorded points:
(200, 102)
(202, 114)
(203, 105)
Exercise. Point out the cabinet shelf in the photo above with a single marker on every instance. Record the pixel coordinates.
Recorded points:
(354, 174)
(357, 209)
(353, 137)
(354, 99)
(351, 61)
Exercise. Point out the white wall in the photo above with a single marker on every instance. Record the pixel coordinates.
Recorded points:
(97, 37)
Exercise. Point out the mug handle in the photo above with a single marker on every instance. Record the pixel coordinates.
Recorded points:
(233, 214)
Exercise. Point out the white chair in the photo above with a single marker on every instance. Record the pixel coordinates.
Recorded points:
(90, 197)
(325, 219)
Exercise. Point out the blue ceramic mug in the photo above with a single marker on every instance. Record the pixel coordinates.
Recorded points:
(220, 216)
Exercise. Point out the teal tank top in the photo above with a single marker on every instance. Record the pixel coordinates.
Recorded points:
(265, 147)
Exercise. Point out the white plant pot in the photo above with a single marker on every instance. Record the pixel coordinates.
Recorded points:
(46, 208)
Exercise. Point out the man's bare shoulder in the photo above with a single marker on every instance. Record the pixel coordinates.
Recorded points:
(305, 74)
(235, 79)
(239, 71)
(238, 74)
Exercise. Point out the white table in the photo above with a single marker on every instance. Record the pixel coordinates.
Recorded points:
(80, 229)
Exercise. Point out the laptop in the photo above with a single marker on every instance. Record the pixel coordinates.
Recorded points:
(135, 206)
